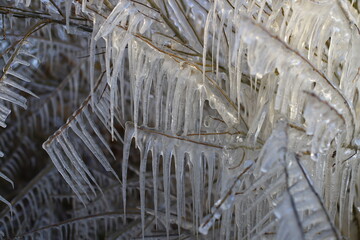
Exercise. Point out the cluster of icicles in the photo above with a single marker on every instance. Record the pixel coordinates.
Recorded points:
(290, 108)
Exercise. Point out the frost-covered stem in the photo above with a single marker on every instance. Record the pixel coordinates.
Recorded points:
(57, 8)
(227, 195)
(76, 113)
(297, 158)
(19, 44)
(326, 103)
(179, 138)
(284, 162)
(292, 201)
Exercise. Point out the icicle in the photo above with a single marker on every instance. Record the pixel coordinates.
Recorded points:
(155, 167)
(225, 109)
(67, 14)
(73, 176)
(170, 92)
(188, 115)
(206, 39)
(258, 121)
(146, 93)
(4, 113)
(239, 76)
(97, 132)
(180, 194)
(2, 199)
(143, 160)
(18, 86)
(177, 105)
(13, 97)
(324, 125)
(219, 37)
(129, 134)
(211, 168)
(274, 147)
(62, 171)
(75, 163)
(117, 68)
(20, 61)
(166, 179)
(3, 176)
(92, 63)
(197, 185)
(116, 16)
(91, 145)
(18, 75)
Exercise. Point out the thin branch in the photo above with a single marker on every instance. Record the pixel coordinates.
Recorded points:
(311, 94)
(19, 44)
(179, 138)
(292, 201)
(76, 113)
(57, 8)
(227, 195)
(310, 184)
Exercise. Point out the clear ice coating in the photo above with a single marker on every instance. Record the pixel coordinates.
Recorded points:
(228, 103)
